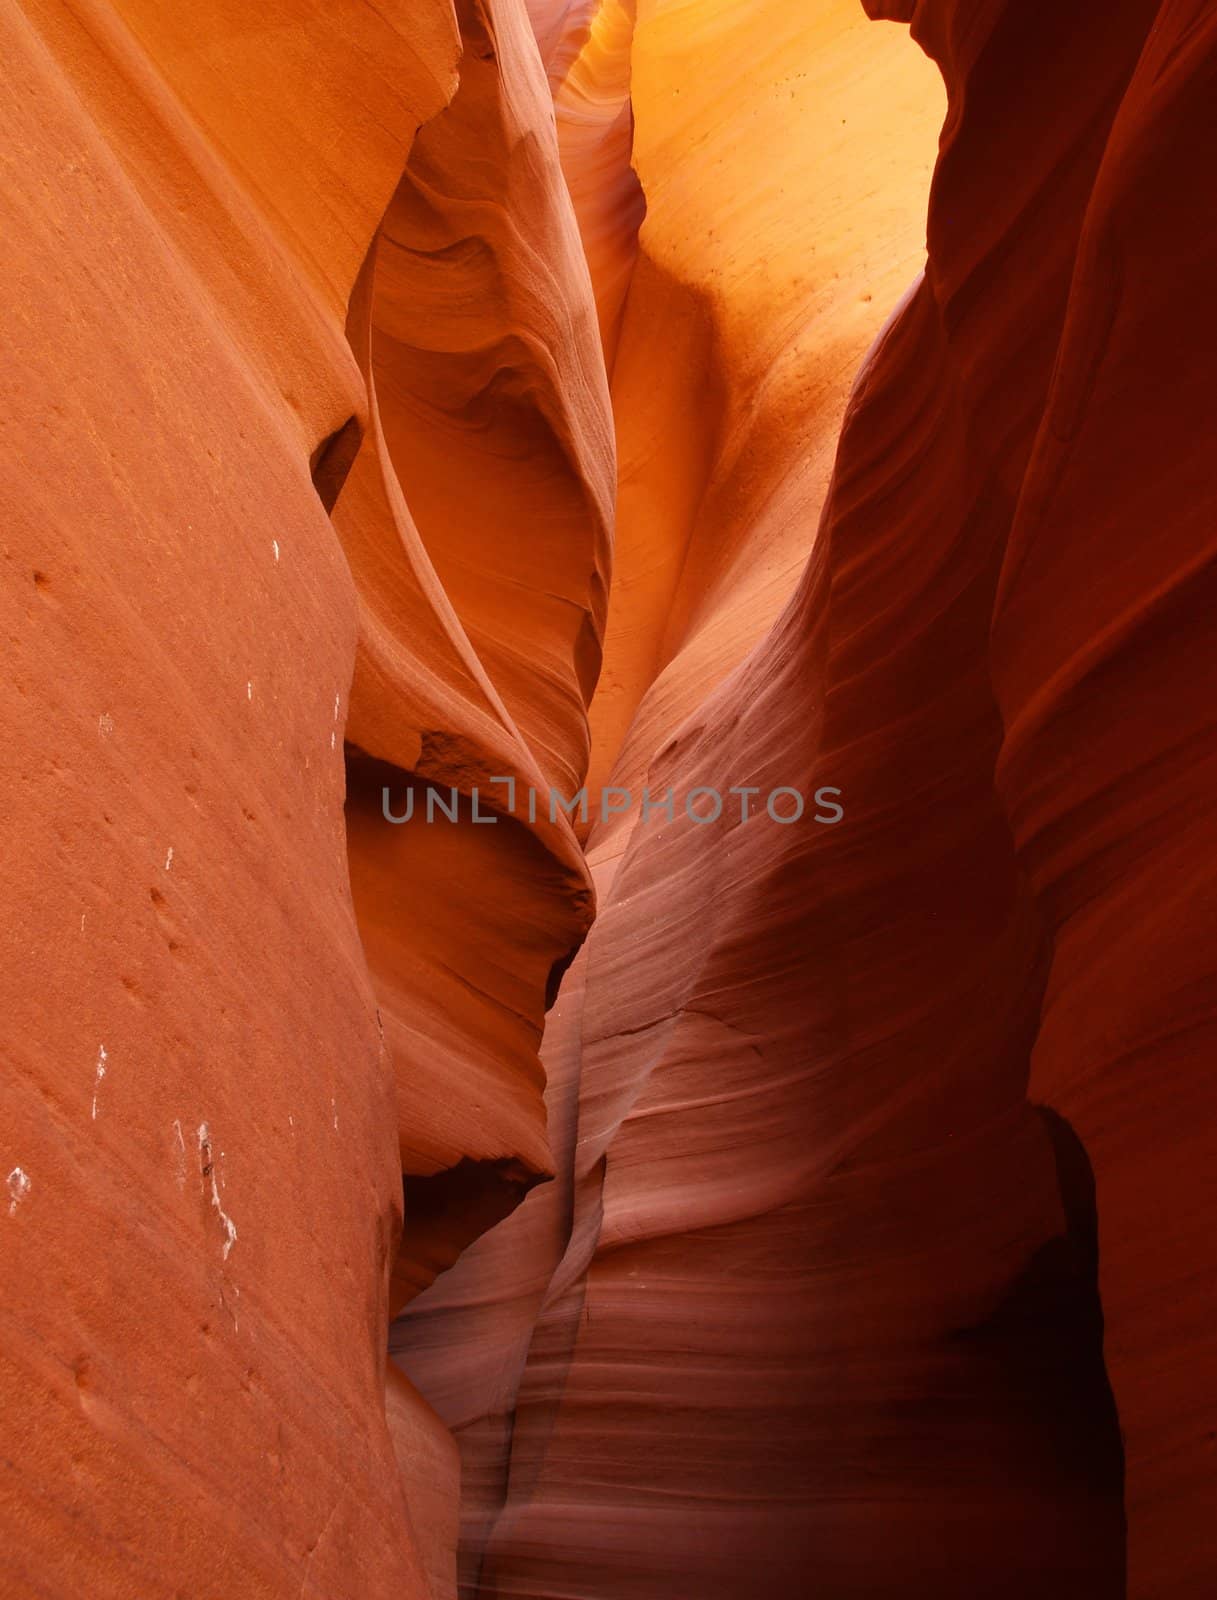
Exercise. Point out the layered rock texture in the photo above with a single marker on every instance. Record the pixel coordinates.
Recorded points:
(411, 408)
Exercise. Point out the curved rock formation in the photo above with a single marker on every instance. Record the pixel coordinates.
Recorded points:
(763, 296)
(415, 414)
(1102, 667)
(483, 603)
(207, 354)
(587, 50)
(816, 1296)
(195, 1111)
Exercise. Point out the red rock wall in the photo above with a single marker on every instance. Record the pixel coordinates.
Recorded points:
(853, 1124)
(201, 1205)
(1102, 662)
(200, 1137)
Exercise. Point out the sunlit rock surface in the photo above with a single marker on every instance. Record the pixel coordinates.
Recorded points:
(477, 518)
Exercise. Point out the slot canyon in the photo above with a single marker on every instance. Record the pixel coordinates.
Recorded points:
(609, 799)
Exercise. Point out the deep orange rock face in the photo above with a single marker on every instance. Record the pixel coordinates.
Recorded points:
(412, 408)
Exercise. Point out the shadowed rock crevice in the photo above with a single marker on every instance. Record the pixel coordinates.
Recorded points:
(1045, 1343)
(1099, 1434)
(333, 459)
(446, 1211)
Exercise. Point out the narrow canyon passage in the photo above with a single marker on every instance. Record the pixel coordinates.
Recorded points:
(609, 846)
(805, 1248)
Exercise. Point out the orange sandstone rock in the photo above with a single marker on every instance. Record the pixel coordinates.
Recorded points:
(217, 336)
(856, 1128)
(778, 235)
(477, 519)
(587, 49)
(203, 1188)
(835, 1215)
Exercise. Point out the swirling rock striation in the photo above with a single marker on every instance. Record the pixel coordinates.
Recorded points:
(216, 236)
(412, 406)
(856, 1125)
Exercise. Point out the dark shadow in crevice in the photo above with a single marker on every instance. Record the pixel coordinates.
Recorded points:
(333, 459)
(447, 1211)
(1085, 1367)
(557, 972)
(1046, 1338)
